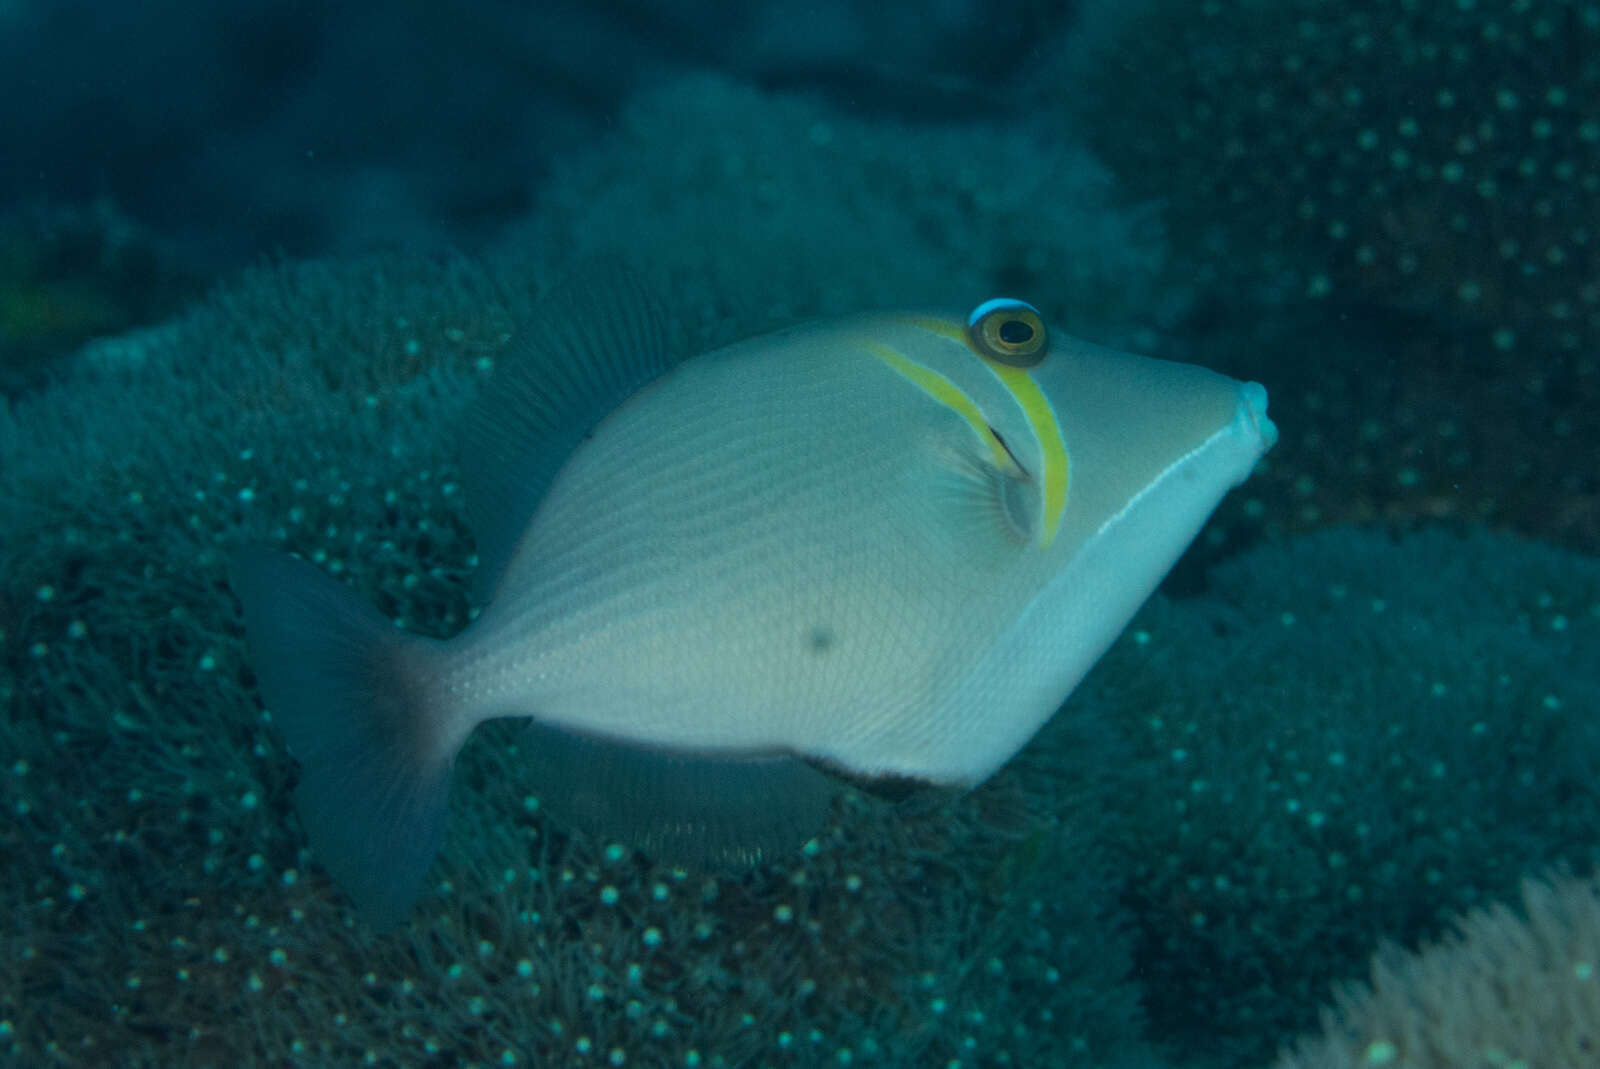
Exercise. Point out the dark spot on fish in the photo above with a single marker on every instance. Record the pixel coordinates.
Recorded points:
(819, 639)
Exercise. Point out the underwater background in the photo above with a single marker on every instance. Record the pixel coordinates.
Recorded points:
(255, 257)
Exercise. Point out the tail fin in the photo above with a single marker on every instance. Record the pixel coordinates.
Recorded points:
(349, 692)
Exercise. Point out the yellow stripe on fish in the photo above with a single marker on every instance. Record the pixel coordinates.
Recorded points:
(1047, 429)
(1009, 365)
(952, 397)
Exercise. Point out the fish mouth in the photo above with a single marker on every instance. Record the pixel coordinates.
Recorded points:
(1252, 414)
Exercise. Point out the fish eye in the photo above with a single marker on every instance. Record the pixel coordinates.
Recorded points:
(1008, 331)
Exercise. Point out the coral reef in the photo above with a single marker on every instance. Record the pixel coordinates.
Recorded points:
(763, 207)
(1502, 989)
(1348, 738)
(1296, 752)
(1419, 182)
(1344, 739)
(162, 904)
(1433, 159)
(325, 128)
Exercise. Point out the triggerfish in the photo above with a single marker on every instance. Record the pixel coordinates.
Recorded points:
(878, 548)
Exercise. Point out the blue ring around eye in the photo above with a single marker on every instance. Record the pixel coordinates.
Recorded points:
(995, 304)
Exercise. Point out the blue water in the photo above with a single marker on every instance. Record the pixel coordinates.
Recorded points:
(255, 258)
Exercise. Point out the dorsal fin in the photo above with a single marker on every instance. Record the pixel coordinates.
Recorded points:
(593, 341)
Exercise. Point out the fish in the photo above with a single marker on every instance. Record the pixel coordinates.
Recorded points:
(882, 548)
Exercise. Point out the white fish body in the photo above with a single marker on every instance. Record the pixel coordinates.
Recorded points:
(887, 546)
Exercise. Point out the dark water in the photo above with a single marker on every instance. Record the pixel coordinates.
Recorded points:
(254, 258)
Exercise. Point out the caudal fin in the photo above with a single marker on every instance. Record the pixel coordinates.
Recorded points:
(349, 692)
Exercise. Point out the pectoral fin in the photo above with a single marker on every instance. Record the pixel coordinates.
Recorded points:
(981, 505)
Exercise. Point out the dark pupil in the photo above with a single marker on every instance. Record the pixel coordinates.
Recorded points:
(1015, 332)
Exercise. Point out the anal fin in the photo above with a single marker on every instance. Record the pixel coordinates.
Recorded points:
(679, 807)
